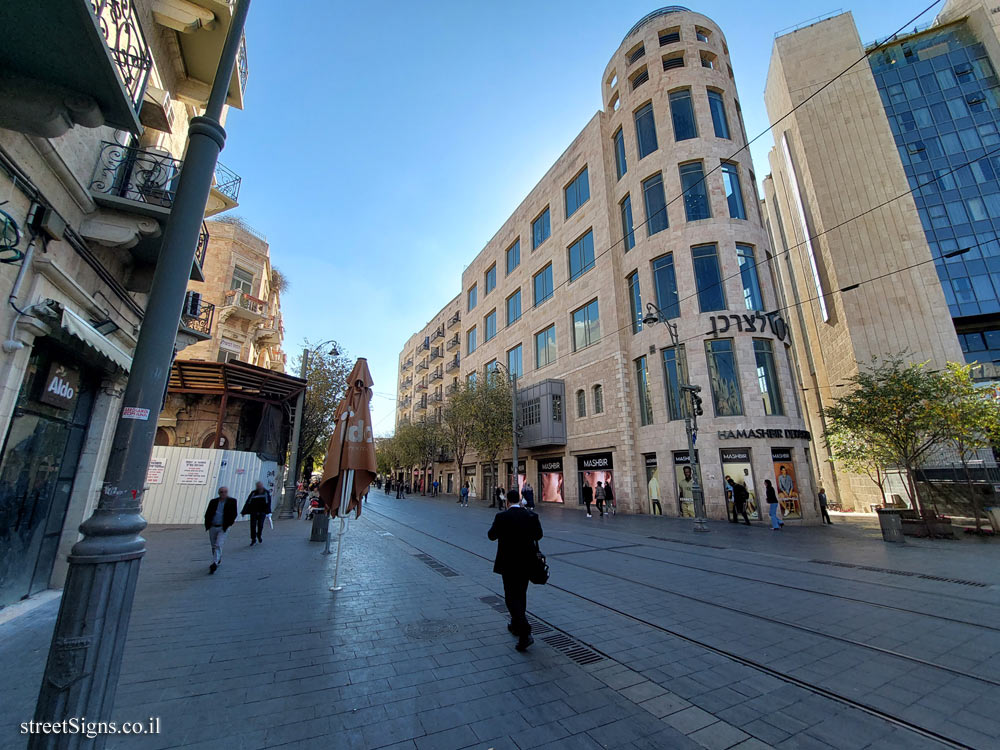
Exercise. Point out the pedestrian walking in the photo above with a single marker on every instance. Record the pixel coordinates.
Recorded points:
(772, 505)
(599, 496)
(300, 502)
(822, 506)
(434, 490)
(258, 507)
(219, 516)
(609, 498)
(588, 497)
(529, 495)
(740, 497)
(498, 499)
(516, 531)
(463, 495)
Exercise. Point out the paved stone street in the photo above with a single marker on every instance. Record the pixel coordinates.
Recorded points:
(648, 636)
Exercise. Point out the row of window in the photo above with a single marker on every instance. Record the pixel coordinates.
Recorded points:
(598, 399)
(665, 37)
(669, 62)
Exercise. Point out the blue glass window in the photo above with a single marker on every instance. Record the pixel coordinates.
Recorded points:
(513, 256)
(665, 281)
(748, 273)
(724, 378)
(708, 278)
(473, 297)
(682, 114)
(581, 256)
(515, 363)
(627, 232)
(621, 166)
(695, 193)
(734, 194)
(586, 326)
(545, 346)
(490, 280)
(645, 130)
(542, 285)
(514, 307)
(541, 228)
(656, 204)
(674, 375)
(634, 301)
(472, 340)
(490, 325)
(577, 193)
(767, 377)
(719, 120)
(642, 391)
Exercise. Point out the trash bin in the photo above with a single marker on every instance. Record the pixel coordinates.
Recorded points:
(994, 515)
(890, 520)
(320, 526)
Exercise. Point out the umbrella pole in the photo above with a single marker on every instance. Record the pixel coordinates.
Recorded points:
(329, 529)
(348, 485)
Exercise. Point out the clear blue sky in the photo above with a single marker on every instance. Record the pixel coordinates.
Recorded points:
(383, 144)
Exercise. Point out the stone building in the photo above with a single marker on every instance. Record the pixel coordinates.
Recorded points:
(654, 201)
(920, 274)
(96, 100)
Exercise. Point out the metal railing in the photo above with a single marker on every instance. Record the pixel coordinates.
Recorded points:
(202, 322)
(454, 319)
(452, 388)
(241, 64)
(437, 397)
(407, 364)
(453, 342)
(422, 365)
(119, 23)
(436, 375)
(424, 346)
(453, 365)
(246, 301)
(227, 181)
(136, 174)
(202, 249)
(438, 333)
(436, 353)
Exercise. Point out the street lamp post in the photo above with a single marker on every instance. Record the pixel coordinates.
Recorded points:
(693, 410)
(81, 674)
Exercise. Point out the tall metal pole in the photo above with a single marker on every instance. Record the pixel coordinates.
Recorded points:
(697, 494)
(81, 675)
(292, 470)
(513, 425)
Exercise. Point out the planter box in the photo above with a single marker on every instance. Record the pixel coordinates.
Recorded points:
(940, 528)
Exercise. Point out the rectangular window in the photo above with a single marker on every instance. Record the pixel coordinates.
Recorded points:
(545, 347)
(665, 281)
(645, 130)
(540, 229)
(708, 278)
(586, 326)
(734, 194)
(242, 280)
(642, 389)
(514, 307)
(752, 297)
(581, 256)
(695, 193)
(471, 378)
(670, 36)
(701, 34)
(682, 114)
(672, 62)
(634, 301)
(577, 193)
(724, 378)
(514, 362)
(719, 120)
(656, 205)
(473, 299)
(490, 281)
(628, 235)
(542, 284)
(767, 377)
(621, 166)
(674, 375)
(513, 256)
(490, 326)
(471, 342)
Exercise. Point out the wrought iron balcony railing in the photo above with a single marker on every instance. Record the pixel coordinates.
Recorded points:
(436, 353)
(453, 365)
(436, 375)
(424, 346)
(241, 64)
(437, 397)
(422, 365)
(452, 388)
(407, 365)
(454, 319)
(202, 250)
(438, 333)
(136, 174)
(227, 182)
(404, 384)
(119, 23)
(246, 301)
(453, 342)
(202, 322)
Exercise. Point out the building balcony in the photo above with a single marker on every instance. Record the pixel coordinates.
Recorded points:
(421, 405)
(422, 365)
(542, 416)
(197, 316)
(425, 346)
(72, 62)
(269, 332)
(438, 334)
(436, 353)
(437, 397)
(242, 305)
(436, 375)
(454, 320)
(144, 181)
(453, 343)
(406, 365)
(421, 386)
(451, 389)
(453, 365)
(405, 384)
(202, 26)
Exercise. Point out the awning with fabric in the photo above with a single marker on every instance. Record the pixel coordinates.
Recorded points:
(80, 329)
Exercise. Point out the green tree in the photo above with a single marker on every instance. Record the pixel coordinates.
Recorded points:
(459, 421)
(970, 418)
(492, 419)
(892, 411)
(326, 373)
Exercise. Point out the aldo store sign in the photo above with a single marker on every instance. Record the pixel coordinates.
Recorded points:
(61, 387)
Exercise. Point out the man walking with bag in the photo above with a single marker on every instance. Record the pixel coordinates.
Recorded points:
(516, 531)
(258, 506)
(219, 516)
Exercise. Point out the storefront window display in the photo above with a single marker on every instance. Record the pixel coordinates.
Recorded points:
(653, 484)
(593, 469)
(550, 480)
(736, 466)
(685, 478)
(469, 475)
(786, 485)
(522, 476)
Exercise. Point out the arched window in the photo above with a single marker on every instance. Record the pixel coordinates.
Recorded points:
(581, 403)
(598, 399)
(162, 437)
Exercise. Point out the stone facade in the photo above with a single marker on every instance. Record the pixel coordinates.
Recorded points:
(613, 421)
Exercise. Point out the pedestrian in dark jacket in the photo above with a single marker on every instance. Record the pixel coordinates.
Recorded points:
(258, 507)
(740, 497)
(822, 506)
(219, 516)
(529, 495)
(772, 505)
(600, 496)
(588, 497)
(516, 532)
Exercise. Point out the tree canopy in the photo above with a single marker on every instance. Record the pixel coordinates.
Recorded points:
(327, 375)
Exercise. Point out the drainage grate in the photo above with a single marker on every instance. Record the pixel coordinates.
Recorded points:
(684, 541)
(435, 565)
(573, 649)
(907, 573)
(497, 604)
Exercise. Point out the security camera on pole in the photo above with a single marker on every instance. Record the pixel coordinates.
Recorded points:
(693, 410)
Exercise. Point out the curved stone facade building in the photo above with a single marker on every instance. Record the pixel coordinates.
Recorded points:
(654, 201)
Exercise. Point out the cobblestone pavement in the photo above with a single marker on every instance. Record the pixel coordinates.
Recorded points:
(649, 636)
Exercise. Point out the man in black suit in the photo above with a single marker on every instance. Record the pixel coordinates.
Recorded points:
(516, 530)
(219, 516)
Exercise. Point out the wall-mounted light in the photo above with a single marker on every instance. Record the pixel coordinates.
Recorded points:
(106, 327)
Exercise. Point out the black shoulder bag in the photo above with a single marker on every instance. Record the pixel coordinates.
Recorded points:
(539, 573)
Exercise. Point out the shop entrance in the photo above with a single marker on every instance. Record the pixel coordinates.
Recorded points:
(40, 455)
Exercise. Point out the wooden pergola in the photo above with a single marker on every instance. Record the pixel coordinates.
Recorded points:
(232, 380)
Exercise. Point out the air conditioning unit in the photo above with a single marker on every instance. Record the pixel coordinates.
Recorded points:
(192, 305)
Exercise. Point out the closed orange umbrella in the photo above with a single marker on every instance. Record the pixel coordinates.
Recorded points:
(349, 467)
